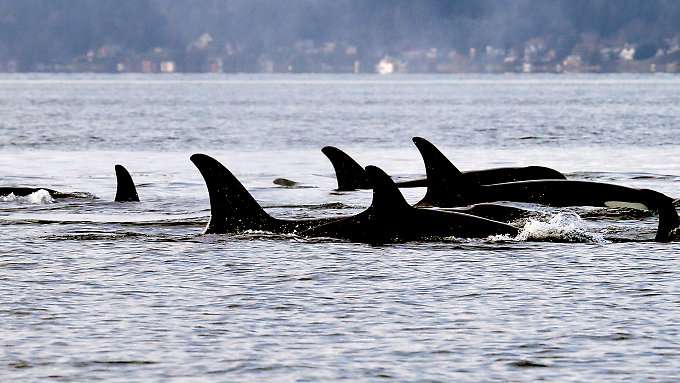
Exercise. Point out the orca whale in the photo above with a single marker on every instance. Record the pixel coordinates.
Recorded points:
(125, 189)
(448, 187)
(389, 218)
(351, 176)
(234, 210)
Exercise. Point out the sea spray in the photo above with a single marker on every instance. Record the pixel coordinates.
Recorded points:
(39, 197)
(562, 227)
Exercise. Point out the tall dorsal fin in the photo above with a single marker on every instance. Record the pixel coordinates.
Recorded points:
(349, 173)
(436, 163)
(446, 185)
(387, 199)
(232, 208)
(125, 189)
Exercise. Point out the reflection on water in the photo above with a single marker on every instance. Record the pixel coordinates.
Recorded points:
(93, 289)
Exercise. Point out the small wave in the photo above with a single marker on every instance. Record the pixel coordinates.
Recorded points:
(617, 214)
(40, 197)
(250, 235)
(93, 236)
(329, 205)
(563, 227)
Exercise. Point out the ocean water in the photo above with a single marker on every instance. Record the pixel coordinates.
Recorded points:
(117, 292)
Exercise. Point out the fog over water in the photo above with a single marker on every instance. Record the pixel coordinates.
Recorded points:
(37, 34)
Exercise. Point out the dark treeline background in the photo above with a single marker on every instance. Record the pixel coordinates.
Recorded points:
(33, 31)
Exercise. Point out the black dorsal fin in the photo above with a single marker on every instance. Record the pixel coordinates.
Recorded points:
(436, 163)
(669, 222)
(387, 199)
(446, 185)
(232, 208)
(349, 173)
(125, 190)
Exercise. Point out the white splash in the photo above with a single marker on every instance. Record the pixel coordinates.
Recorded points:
(8, 198)
(40, 197)
(563, 227)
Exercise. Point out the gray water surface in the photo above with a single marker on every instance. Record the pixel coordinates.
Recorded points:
(96, 290)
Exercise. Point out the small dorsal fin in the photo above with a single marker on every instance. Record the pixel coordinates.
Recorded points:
(386, 195)
(232, 208)
(349, 173)
(125, 189)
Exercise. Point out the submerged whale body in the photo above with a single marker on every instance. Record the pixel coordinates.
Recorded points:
(125, 189)
(389, 218)
(448, 187)
(351, 176)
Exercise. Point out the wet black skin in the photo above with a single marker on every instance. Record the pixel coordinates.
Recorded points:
(125, 190)
(234, 210)
(389, 218)
(448, 189)
(351, 176)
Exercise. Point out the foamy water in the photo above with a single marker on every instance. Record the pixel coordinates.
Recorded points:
(562, 227)
(39, 197)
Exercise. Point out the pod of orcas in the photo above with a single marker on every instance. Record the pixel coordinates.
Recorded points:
(471, 195)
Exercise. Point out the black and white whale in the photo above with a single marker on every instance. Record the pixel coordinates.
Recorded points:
(352, 176)
(448, 187)
(389, 218)
(125, 189)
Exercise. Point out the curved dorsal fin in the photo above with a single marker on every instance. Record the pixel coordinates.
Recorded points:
(669, 222)
(232, 208)
(125, 189)
(436, 163)
(387, 199)
(349, 173)
(446, 185)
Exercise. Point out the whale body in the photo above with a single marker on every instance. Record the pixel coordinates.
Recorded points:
(389, 218)
(351, 176)
(448, 187)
